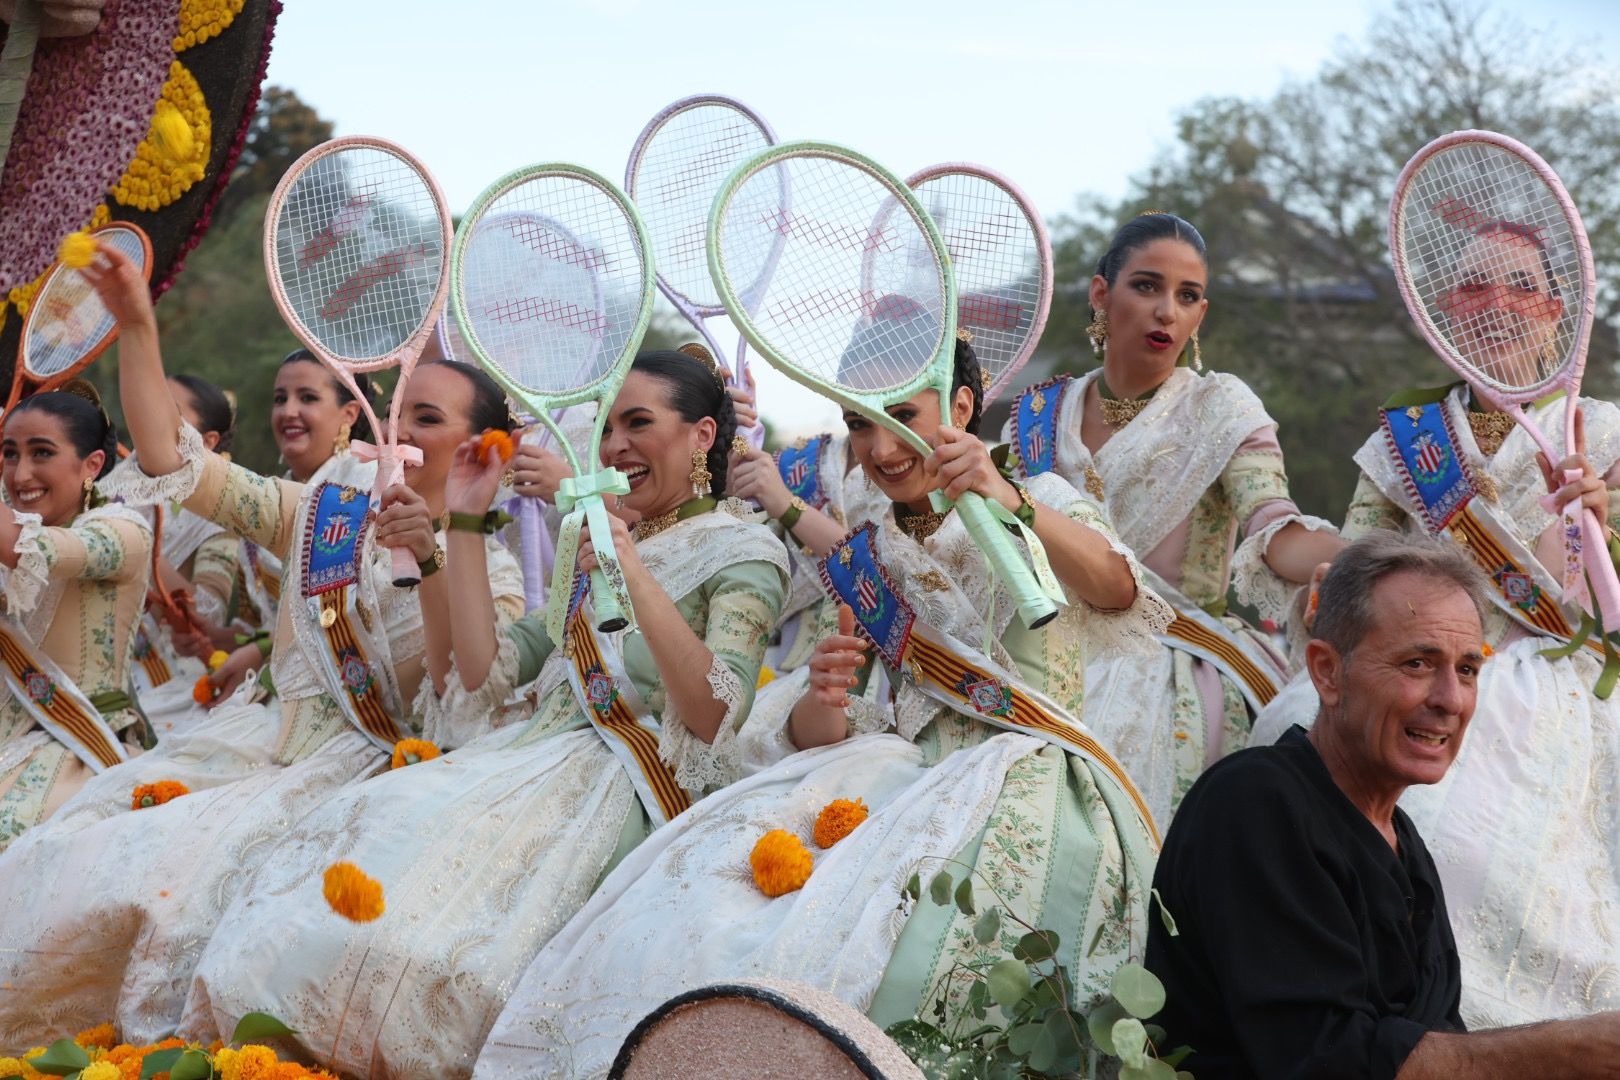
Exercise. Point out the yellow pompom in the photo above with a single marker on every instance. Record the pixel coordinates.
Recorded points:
(217, 658)
(780, 863)
(172, 134)
(102, 1070)
(76, 250)
(837, 820)
(351, 893)
(766, 677)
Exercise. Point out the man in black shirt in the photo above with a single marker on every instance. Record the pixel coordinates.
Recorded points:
(1312, 932)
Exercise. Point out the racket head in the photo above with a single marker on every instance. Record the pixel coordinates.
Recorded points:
(356, 243)
(679, 161)
(1493, 263)
(861, 304)
(67, 326)
(452, 346)
(1001, 256)
(551, 285)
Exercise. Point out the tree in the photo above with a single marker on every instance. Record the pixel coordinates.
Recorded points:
(1292, 195)
(283, 128)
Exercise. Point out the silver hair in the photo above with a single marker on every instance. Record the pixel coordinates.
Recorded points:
(1344, 612)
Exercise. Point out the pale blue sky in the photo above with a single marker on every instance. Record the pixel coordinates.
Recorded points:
(1064, 97)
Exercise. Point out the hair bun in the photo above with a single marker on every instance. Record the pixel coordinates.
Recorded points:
(82, 388)
(700, 353)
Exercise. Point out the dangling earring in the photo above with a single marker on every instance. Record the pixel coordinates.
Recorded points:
(701, 477)
(1198, 356)
(341, 443)
(89, 490)
(1098, 331)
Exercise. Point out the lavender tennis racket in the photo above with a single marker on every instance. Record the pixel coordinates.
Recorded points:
(552, 286)
(679, 161)
(1494, 265)
(1001, 257)
(355, 244)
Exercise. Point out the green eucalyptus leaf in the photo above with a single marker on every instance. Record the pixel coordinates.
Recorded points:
(1151, 1069)
(62, 1057)
(939, 889)
(1130, 1041)
(988, 928)
(1176, 1056)
(1021, 1039)
(1044, 1054)
(1165, 917)
(1183, 1075)
(1156, 1034)
(1009, 982)
(256, 1026)
(193, 1065)
(1139, 990)
(964, 897)
(1037, 945)
(978, 1000)
(913, 887)
(1065, 1028)
(1101, 1025)
(160, 1061)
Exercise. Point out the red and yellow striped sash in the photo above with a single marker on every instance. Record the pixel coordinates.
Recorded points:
(364, 694)
(1545, 614)
(1237, 662)
(88, 730)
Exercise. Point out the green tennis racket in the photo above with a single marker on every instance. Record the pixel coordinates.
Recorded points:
(551, 284)
(861, 306)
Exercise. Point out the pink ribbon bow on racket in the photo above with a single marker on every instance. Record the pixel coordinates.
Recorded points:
(401, 455)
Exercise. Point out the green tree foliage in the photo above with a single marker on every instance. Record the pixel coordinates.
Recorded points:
(1292, 195)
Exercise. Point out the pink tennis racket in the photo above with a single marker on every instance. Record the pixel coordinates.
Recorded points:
(356, 246)
(1002, 258)
(679, 161)
(1493, 262)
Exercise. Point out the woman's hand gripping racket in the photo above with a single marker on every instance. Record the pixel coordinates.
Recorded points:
(860, 306)
(1001, 258)
(1493, 262)
(356, 240)
(552, 287)
(679, 161)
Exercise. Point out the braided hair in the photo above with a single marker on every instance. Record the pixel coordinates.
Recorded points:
(968, 373)
(695, 391)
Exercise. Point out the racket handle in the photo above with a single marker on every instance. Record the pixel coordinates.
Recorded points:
(997, 544)
(609, 615)
(536, 552)
(1600, 570)
(405, 572)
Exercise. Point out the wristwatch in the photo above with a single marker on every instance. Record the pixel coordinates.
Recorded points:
(790, 516)
(433, 563)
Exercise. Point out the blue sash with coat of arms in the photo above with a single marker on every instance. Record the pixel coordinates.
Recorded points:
(1426, 456)
(800, 466)
(1035, 424)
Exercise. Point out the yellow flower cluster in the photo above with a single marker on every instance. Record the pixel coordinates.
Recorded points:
(837, 820)
(780, 863)
(23, 295)
(102, 1070)
(413, 752)
(164, 167)
(351, 893)
(19, 1067)
(204, 19)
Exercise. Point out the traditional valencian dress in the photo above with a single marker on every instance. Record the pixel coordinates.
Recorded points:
(484, 853)
(982, 766)
(135, 893)
(1524, 826)
(1196, 471)
(71, 606)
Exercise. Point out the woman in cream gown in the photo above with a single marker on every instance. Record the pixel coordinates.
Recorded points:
(134, 893)
(1189, 468)
(1054, 826)
(484, 853)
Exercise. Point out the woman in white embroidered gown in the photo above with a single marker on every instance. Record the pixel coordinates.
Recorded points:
(1524, 826)
(1188, 466)
(136, 892)
(484, 853)
(1059, 832)
(73, 579)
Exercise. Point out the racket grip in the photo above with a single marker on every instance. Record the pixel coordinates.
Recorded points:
(1600, 570)
(1034, 606)
(532, 533)
(609, 615)
(405, 572)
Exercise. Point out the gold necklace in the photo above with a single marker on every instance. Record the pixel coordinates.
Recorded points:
(1489, 429)
(652, 526)
(1117, 412)
(919, 526)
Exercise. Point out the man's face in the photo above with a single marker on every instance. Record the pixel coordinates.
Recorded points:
(1402, 701)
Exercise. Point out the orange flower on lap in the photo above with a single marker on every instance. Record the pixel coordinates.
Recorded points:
(413, 752)
(351, 893)
(780, 863)
(102, 1035)
(837, 820)
(157, 794)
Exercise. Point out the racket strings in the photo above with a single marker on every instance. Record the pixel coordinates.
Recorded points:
(1491, 254)
(360, 252)
(673, 181)
(68, 319)
(551, 283)
(857, 294)
(996, 258)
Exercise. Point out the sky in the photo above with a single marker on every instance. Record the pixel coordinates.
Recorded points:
(1067, 97)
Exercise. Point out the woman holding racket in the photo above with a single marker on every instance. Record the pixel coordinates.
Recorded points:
(485, 852)
(1058, 831)
(1188, 466)
(73, 573)
(162, 874)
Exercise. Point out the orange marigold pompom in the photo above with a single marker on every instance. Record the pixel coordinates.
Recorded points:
(413, 751)
(837, 820)
(1486, 650)
(352, 894)
(155, 795)
(76, 250)
(101, 1035)
(780, 862)
(499, 440)
(248, 1063)
(203, 692)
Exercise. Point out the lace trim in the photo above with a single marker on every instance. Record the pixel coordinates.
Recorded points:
(459, 715)
(701, 766)
(137, 488)
(1256, 583)
(867, 717)
(23, 584)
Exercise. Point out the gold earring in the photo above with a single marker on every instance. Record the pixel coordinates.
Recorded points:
(1198, 355)
(341, 443)
(89, 490)
(701, 477)
(1098, 331)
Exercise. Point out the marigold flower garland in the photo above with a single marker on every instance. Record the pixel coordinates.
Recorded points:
(351, 893)
(837, 820)
(413, 752)
(157, 794)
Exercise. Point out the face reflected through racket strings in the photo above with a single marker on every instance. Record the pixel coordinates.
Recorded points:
(68, 320)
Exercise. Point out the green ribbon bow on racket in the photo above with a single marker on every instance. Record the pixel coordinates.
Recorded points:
(579, 499)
